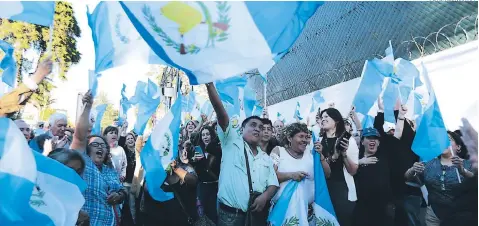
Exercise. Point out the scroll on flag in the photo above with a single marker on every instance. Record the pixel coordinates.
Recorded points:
(160, 150)
(215, 40)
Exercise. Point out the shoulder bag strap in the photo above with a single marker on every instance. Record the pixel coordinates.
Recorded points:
(248, 170)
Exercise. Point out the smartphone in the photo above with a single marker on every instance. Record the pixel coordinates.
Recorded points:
(199, 151)
(344, 136)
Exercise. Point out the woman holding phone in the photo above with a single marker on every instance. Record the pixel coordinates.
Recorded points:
(341, 153)
(207, 150)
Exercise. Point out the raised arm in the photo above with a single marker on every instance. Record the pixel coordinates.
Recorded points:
(79, 142)
(379, 119)
(16, 99)
(400, 122)
(355, 119)
(222, 116)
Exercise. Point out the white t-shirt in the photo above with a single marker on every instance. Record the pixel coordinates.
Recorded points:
(118, 158)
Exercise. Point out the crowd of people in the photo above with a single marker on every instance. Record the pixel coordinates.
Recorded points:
(231, 175)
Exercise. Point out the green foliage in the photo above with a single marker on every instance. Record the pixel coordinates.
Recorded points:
(25, 36)
(293, 221)
(323, 222)
(46, 113)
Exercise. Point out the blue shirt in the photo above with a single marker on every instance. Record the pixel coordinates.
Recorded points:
(233, 182)
(100, 183)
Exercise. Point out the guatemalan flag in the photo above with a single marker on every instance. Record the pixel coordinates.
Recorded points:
(323, 207)
(297, 114)
(36, 190)
(160, 150)
(115, 39)
(215, 40)
(34, 12)
(124, 106)
(97, 116)
(431, 135)
(147, 98)
(8, 64)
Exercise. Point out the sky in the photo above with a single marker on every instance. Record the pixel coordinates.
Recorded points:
(111, 80)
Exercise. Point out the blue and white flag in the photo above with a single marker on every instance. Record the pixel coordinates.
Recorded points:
(160, 150)
(147, 98)
(368, 122)
(34, 12)
(210, 41)
(124, 106)
(37, 190)
(369, 88)
(257, 111)
(280, 117)
(97, 115)
(431, 135)
(8, 63)
(93, 82)
(189, 102)
(228, 89)
(115, 39)
(418, 108)
(58, 191)
(207, 108)
(323, 207)
(280, 209)
(249, 101)
(313, 106)
(318, 97)
(18, 172)
(390, 97)
(297, 114)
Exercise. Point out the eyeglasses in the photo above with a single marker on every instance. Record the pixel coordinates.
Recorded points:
(96, 144)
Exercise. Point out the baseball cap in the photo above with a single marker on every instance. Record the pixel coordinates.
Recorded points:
(371, 132)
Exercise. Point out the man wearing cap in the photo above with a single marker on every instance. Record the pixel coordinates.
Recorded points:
(372, 180)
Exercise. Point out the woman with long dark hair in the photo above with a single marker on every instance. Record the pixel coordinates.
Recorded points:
(118, 156)
(207, 166)
(342, 157)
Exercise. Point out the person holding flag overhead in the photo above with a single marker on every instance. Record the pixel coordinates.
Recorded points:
(247, 181)
(104, 192)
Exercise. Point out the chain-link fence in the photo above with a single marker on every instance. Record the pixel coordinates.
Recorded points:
(342, 35)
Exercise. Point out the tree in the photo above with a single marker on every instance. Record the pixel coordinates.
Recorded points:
(25, 36)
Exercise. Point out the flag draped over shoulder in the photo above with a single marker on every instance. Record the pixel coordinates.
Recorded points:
(160, 150)
(215, 40)
(34, 12)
